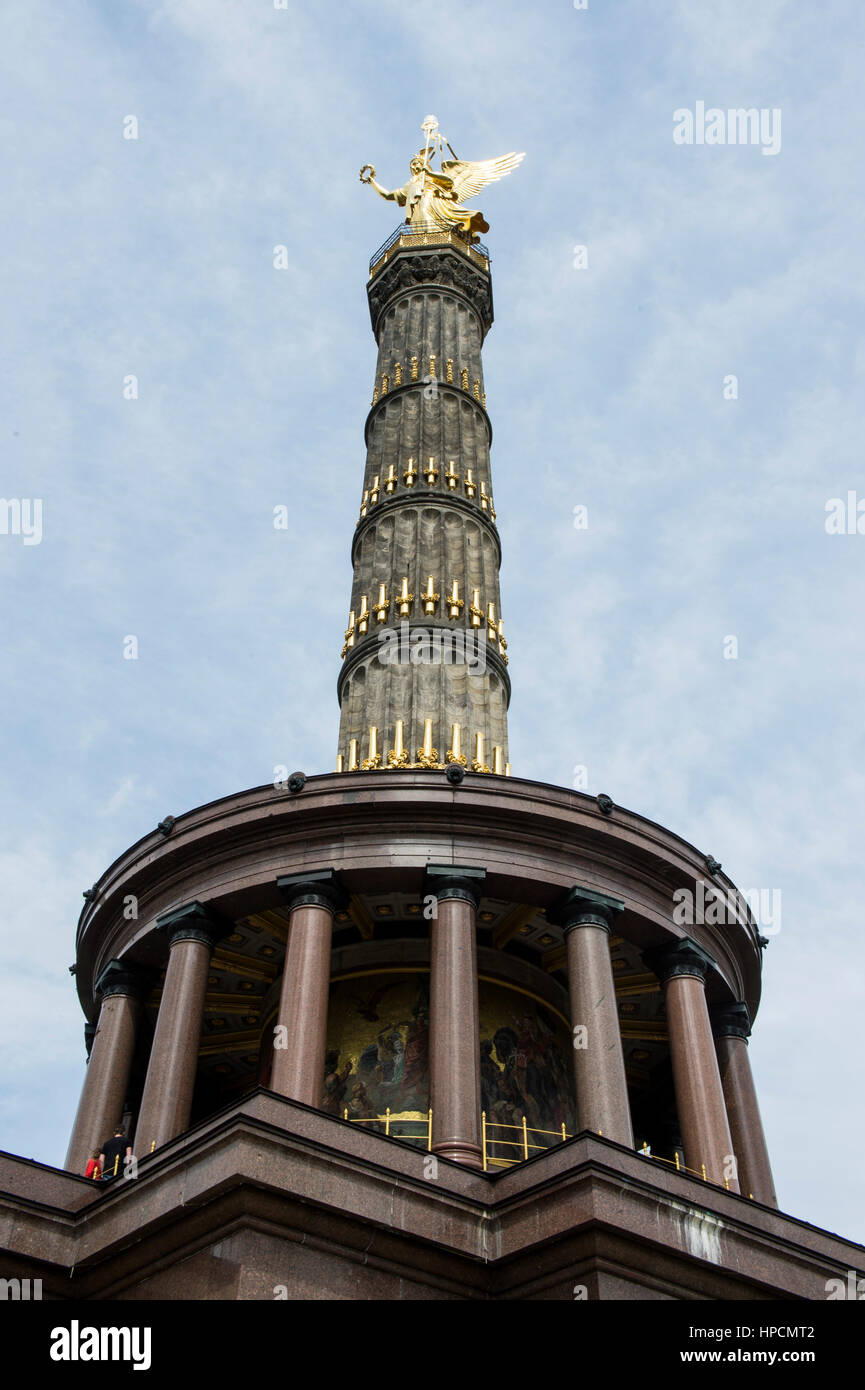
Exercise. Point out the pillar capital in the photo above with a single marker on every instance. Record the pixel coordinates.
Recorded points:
(730, 1021)
(684, 958)
(193, 922)
(123, 977)
(313, 888)
(582, 907)
(445, 881)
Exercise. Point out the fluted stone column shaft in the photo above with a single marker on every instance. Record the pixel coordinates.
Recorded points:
(696, 1078)
(100, 1108)
(427, 514)
(455, 1068)
(743, 1111)
(298, 1067)
(166, 1103)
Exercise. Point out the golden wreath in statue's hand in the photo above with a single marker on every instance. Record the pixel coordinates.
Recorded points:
(369, 171)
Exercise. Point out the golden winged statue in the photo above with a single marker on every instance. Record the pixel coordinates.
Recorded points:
(435, 200)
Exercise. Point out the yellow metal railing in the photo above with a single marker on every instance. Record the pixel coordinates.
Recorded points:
(524, 1145)
(491, 1143)
(430, 234)
(680, 1167)
(401, 1118)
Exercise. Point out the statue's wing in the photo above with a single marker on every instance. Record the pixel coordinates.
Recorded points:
(470, 176)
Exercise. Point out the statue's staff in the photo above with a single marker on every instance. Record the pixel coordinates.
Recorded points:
(429, 127)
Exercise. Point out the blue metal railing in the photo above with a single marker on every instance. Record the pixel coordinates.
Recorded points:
(427, 229)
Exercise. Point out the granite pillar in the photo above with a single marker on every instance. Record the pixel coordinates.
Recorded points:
(599, 1063)
(166, 1103)
(455, 1063)
(121, 986)
(731, 1026)
(301, 1032)
(682, 970)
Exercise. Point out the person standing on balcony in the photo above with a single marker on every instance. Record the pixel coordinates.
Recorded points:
(114, 1153)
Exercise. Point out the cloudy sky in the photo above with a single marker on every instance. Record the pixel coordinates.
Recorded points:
(153, 258)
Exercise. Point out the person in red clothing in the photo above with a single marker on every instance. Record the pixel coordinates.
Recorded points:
(93, 1170)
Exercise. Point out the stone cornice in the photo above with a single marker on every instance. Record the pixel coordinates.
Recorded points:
(533, 839)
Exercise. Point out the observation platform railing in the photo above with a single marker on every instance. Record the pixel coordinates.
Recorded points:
(429, 234)
(394, 1125)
